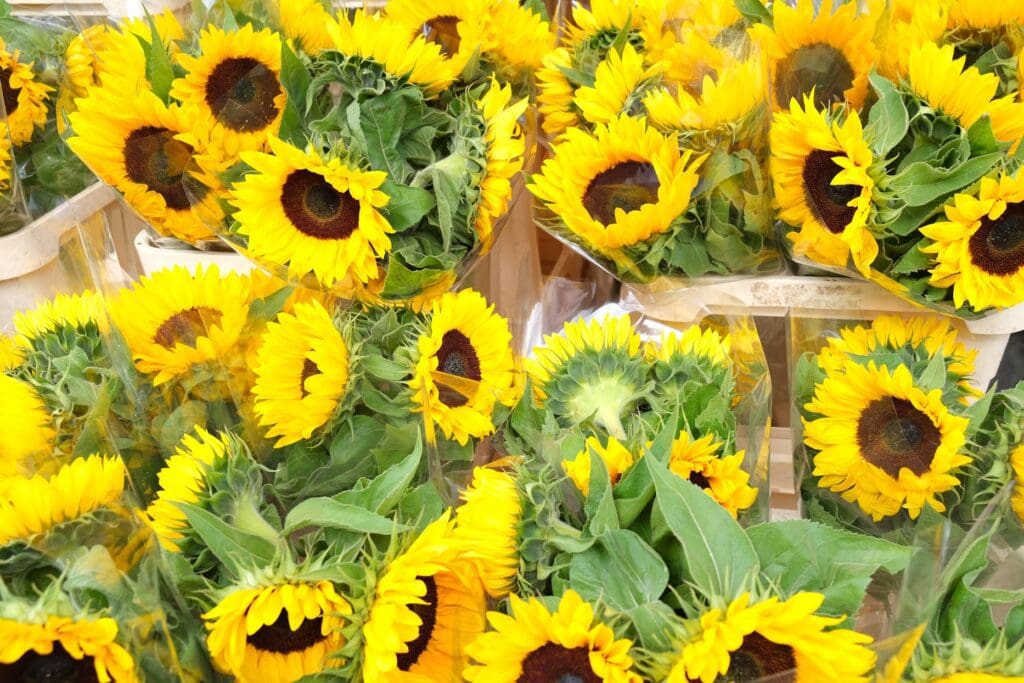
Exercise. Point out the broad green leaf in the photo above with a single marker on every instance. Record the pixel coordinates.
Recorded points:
(717, 556)
(385, 491)
(383, 368)
(800, 555)
(620, 570)
(329, 513)
(754, 11)
(921, 183)
(914, 261)
(236, 549)
(407, 205)
(981, 138)
(159, 71)
(934, 375)
(888, 121)
(654, 623)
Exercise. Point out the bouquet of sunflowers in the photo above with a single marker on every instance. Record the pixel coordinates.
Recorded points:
(658, 115)
(349, 153)
(37, 171)
(895, 145)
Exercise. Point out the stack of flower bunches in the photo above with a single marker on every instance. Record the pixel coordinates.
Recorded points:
(370, 155)
(658, 117)
(37, 171)
(894, 145)
(897, 444)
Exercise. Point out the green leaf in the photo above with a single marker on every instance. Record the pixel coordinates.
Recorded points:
(754, 11)
(800, 555)
(600, 506)
(407, 206)
(888, 121)
(382, 368)
(934, 375)
(717, 556)
(654, 622)
(159, 71)
(981, 138)
(386, 490)
(921, 183)
(236, 549)
(619, 569)
(329, 513)
(404, 282)
(382, 120)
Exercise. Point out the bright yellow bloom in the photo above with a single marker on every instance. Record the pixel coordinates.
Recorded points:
(25, 97)
(721, 477)
(694, 341)
(74, 312)
(1017, 465)
(487, 523)
(617, 460)
(616, 82)
(506, 148)
(26, 425)
(90, 643)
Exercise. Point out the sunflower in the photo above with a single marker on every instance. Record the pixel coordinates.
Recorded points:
(619, 186)
(519, 37)
(912, 23)
(618, 82)
(1017, 465)
(135, 144)
(555, 93)
(25, 98)
(965, 95)
(458, 27)
(465, 366)
(694, 341)
(380, 39)
(174, 320)
(183, 480)
(590, 370)
(26, 426)
(722, 478)
(487, 523)
(745, 642)
(505, 149)
(306, 21)
(82, 67)
(12, 356)
(617, 460)
(302, 374)
(62, 648)
(827, 56)
(233, 88)
(882, 442)
(979, 248)
(74, 313)
(823, 183)
(602, 17)
(276, 633)
(427, 606)
(736, 92)
(313, 215)
(6, 160)
(532, 644)
(34, 505)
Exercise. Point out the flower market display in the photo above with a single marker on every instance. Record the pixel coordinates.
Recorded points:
(349, 464)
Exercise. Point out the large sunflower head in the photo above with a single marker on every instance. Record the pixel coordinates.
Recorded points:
(519, 36)
(619, 83)
(487, 523)
(380, 39)
(534, 644)
(428, 605)
(617, 459)
(962, 93)
(773, 637)
(982, 32)
(34, 505)
(277, 633)
(465, 367)
(979, 248)
(61, 648)
(827, 54)
(619, 186)
(26, 425)
(25, 97)
(233, 88)
(721, 477)
(506, 147)
(313, 215)
(302, 373)
(65, 314)
(458, 27)
(174, 320)
(136, 145)
(912, 22)
(882, 442)
(590, 371)
(822, 174)
(705, 344)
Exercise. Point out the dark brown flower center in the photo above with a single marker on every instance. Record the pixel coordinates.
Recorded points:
(551, 663)
(309, 368)
(828, 201)
(998, 245)
(698, 479)
(281, 639)
(444, 31)
(240, 92)
(185, 327)
(627, 186)
(428, 616)
(819, 66)
(10, 94)
(316, 209)
(457, 357)
(893, 434)
(56, 667)
(152, 157)
(759, 658)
